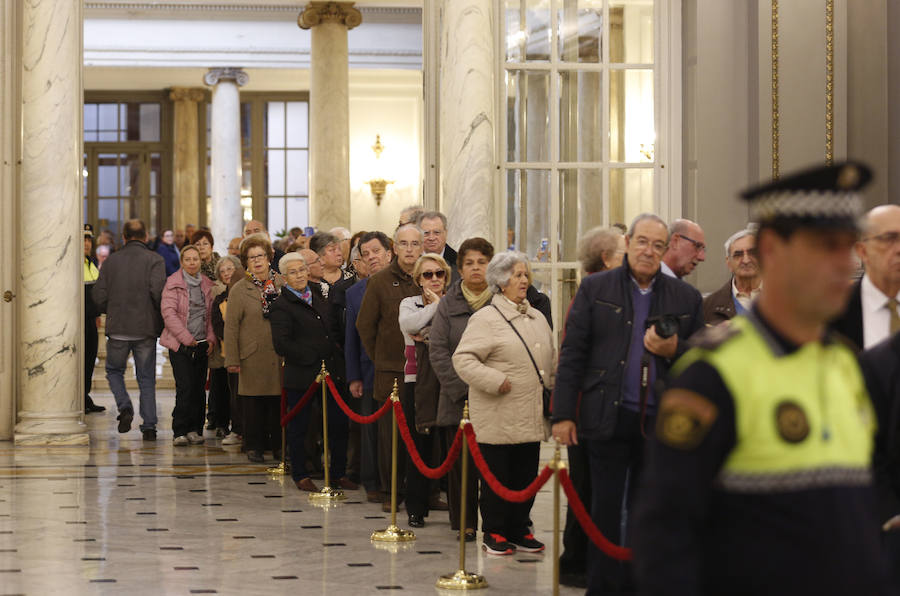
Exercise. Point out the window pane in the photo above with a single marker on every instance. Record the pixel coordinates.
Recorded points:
(527, 30)
(108, 215)
(580, 101)
(630, 194)
(275, 172)
(632, 133)
(109, 119)
(107, 175)
(297, 125)
(297, 171)
(275, 124)
(580, 31)
(149, 122)
(297, 212)
(631, 31)
(529, 212)
(90, 116)
(528, 116)
(127, 131)
(155, 173)
(580, 207)
(275, 212)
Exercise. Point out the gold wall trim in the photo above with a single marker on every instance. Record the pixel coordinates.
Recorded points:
(829, 81)
(775, 157)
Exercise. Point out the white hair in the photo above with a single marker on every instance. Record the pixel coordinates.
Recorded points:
(501, 267)
(341, 232)
(409, 226)
(737, 236)
(290, 258)
(646, 217)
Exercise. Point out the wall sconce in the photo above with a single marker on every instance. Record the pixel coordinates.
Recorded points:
(378, 184)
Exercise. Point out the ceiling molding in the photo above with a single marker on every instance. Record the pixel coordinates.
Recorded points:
(372, 14)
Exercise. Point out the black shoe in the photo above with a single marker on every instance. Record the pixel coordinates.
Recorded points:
(574, 580)
(470, 535)
(255, 456)
(149, 434)
(92, 408)
(416, 521)
(125, 419)
(210, 425)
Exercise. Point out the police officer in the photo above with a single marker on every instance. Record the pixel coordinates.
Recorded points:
(759, 480)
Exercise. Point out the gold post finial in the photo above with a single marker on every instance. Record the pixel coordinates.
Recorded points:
(395, 392)
(465, 416)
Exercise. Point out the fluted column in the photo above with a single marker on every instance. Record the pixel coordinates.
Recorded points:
(226, 218)
(467, 118)
(51, 404)
(187, 156)
(329, 111)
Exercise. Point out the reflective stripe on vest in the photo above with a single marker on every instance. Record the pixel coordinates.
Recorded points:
(802, 420)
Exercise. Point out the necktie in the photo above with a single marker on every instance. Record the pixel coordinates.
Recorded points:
(895, 318)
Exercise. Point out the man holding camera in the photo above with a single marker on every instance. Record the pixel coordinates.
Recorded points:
(625, 328)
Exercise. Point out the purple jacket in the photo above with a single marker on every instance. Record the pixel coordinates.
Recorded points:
(175, 304)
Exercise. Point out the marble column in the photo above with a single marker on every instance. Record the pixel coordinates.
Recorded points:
(467, 119)
(329, 111)
(187, 156)
(50, 294)
(226, 217)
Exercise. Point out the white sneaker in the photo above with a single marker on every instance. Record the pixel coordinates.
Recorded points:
(195, 439)
(232, 439)
(180, 441)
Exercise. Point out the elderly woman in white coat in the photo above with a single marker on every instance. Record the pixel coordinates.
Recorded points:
(494, 358)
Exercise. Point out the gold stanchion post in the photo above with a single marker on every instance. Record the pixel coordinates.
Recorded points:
(282, 468)
(327, 494)
(556, 465)
(392, 533)
(462, 579)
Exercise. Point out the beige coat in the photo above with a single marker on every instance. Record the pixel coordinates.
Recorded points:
(248, 341)
(490, 352)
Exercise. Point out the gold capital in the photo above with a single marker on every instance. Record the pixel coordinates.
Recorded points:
(316, 13)
(186, 94)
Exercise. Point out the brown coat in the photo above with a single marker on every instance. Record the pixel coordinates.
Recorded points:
(248, 341)
(718, 307)
(490, 352)
(379, 328)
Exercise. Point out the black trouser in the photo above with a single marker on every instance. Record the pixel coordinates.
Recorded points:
(237, 405)
(91, 342)
(454, 478)
(262, 422)
(575, 541)
(515, 466)
(385, 429)
(368, 456)
(189, 370)
(296, 435)
(417, 485)
(614, 464)
(219, 411)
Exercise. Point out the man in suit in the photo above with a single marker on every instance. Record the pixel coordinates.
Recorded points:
(873, 314)
(735, 296)
(434, 225)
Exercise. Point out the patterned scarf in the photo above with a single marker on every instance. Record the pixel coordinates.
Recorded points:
(267, 292)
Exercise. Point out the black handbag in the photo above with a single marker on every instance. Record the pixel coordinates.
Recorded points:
(546, 393)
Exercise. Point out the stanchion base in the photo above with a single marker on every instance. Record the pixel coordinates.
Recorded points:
(393, 534)
(280, 470)
(461, 580)
(327, 495)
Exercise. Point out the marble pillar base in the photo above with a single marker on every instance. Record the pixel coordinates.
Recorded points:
(51, 428)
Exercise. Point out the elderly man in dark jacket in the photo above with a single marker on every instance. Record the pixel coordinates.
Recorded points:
(128, 291)
(625, 328)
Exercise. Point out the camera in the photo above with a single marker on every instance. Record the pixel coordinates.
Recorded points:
(666, 325)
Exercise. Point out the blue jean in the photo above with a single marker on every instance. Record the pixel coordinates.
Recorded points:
(144, 351)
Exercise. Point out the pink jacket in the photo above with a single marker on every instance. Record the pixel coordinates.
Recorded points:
(175, 305)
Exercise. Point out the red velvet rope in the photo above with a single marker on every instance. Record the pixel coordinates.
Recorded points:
(350, 413)
(433, 473)
(288, 416)
(514, 496)
(620, 553)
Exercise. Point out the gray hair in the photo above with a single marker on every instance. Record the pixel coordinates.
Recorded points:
(737, 236)
(238, 268)
(646, 217)
(432, 215)
(341, 232)
(411, 226)
(501, 267)
(290, 258)
(412, 213)
(680, 226)
(596, 247)
(319, 241)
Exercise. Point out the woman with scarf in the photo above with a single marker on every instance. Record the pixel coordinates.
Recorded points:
(186, 303)
(249, 350)
(203, 240)
(463, 299)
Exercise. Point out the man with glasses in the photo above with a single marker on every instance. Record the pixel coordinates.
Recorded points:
(625, 328)
(687, 248)
(737, 294)
(434, 228)
(872, 314)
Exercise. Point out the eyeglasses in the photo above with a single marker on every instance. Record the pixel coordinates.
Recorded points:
(642, 243)
(887, 239)
(433, 232)
(255, 257)
(698, 245)
(439, 274)
(739, 254)
(405, 244)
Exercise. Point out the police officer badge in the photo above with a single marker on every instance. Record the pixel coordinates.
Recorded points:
(791, 421)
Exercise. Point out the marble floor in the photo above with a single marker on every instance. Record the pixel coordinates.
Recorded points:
(130, 517)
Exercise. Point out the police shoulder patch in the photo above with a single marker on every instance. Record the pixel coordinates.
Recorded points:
(684, 418)
(711, 337)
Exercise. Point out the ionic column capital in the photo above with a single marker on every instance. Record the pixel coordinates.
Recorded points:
(193, 94)
(318, 12)
(215, 75)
